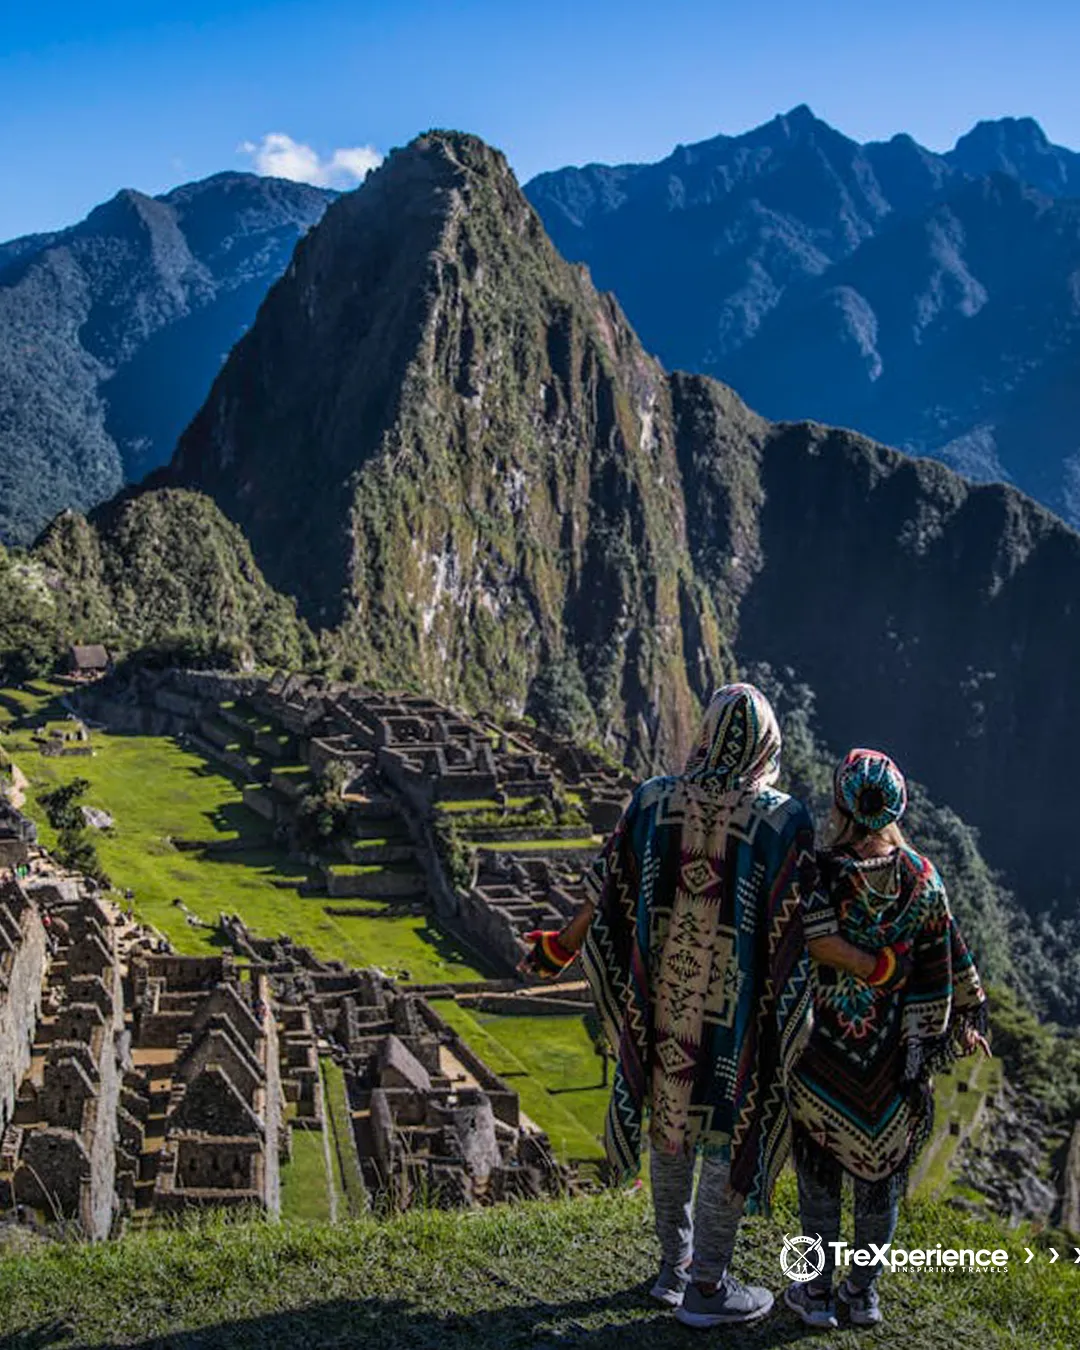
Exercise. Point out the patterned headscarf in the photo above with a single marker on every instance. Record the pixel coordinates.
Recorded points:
(870, 789)
(739, 741)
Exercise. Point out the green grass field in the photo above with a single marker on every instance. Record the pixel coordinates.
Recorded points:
(158, 792)
(551, 1064)
(933, 1175)
(529, 1277)
(352, 1195)
(305, 1187)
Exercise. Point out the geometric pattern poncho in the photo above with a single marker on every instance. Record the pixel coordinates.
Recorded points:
(861, 1095)
(697, 961)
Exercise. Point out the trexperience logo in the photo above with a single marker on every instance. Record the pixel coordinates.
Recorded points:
(803, 1258)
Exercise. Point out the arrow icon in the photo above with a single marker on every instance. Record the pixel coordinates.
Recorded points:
(1077, 1251)
(1030, 1256)
(1055, 1255)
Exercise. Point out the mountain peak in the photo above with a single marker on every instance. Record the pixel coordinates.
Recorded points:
(798, 121)
(1003, 135)
(1018, 146)
(128, 212)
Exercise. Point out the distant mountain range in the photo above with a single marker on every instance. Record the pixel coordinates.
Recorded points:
(931, 301)
(112, 331)
(928, 300)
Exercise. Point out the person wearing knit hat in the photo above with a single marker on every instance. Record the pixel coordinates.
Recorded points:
(861, 1093)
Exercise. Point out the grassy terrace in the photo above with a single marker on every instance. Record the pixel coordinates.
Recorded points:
(529, 1277)
(588, 845)
(158, 792)
(305, 1186)
(551, 1064)
(344, 1166)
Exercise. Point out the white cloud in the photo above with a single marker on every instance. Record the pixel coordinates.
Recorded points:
(279, 156)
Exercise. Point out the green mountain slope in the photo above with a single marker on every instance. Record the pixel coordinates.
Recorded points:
(161, 572)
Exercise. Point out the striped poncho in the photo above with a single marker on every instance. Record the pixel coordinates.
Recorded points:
(697, 961)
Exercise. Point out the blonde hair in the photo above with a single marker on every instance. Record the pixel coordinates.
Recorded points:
(844, 829)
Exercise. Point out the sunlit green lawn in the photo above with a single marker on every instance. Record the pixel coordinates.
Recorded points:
(304, 1183)
(551, 1063)
(158, 792)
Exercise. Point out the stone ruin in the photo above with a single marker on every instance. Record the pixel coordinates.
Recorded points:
(132, 1082)
(205, 1044)
(61, 1150)
(427, 1117)
(135, 1082)
(18, 834)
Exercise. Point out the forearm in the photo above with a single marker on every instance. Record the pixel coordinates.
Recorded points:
(837, 951)
(573, 935)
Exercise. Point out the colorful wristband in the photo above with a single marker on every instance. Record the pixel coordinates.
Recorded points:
(884, 968)
(549, 952)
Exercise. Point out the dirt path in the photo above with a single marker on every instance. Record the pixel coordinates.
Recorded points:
(19, 784)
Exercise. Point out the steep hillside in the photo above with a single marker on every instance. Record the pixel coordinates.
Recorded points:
(112, 331)
(927, 300)
(161, 573)
(450, 448)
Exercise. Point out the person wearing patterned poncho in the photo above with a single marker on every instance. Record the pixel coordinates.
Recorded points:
(694, 947)
(861, 1094)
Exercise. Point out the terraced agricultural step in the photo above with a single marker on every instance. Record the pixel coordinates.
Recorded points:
(349, 880)
(368, 852)
(533, 847)
(292, 780)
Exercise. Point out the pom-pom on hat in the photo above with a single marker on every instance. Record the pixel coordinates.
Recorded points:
(870, 789)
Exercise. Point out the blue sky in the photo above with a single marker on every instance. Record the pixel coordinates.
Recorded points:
(98, 96)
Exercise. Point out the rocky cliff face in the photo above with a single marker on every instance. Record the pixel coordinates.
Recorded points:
(112, 331)
(455, 453)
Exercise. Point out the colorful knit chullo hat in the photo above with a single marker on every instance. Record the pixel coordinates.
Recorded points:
(870, 789)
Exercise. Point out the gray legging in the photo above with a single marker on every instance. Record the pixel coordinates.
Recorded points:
(703, 1231)
(876, 1210)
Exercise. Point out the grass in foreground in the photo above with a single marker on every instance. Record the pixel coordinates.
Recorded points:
(569, 1274)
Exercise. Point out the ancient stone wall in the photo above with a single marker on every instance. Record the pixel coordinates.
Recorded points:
(22, 970)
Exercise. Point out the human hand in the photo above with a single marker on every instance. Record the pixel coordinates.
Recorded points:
(972, 1040)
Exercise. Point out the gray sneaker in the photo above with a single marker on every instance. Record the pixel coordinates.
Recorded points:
(732, 1302)
(814, 1306)
(671, 1284)
(863, 1304)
